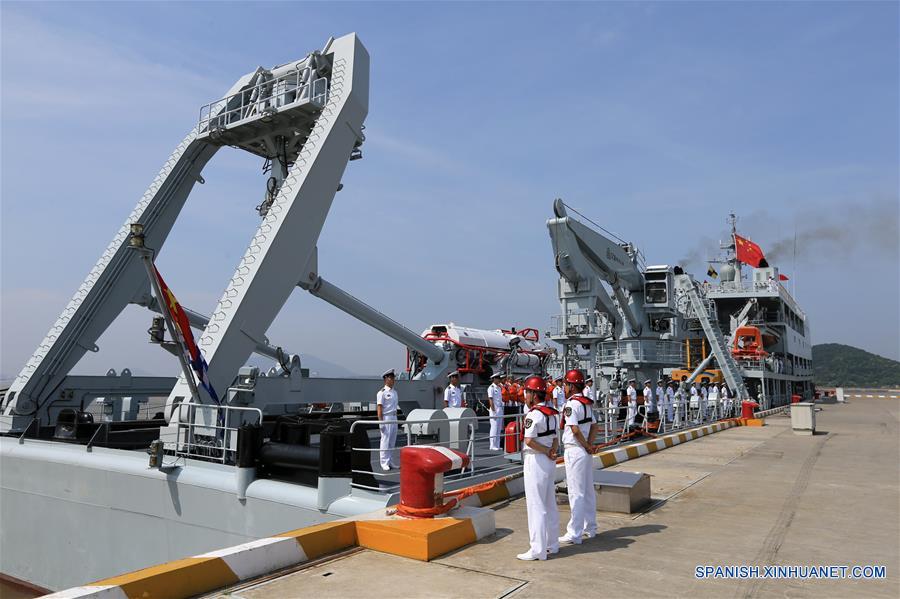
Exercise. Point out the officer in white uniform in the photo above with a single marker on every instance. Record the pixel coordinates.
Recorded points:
(726, 399)
(648, 401)
(578, 439)
(386, 405)
(704, 393)
(538, 466)
(712, 398)
(495, 410)
(670, 401)
(661, 399)
(695, 401)
(559, 395)
(453, 397)
(589, 389)
(632, 402)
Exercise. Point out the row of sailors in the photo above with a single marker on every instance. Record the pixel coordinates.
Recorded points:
(666, 399)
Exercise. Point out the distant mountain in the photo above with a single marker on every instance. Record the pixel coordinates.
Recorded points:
(835, 364)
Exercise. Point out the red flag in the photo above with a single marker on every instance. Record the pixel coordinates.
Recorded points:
(181, 322)
(748, 252)
(782, 277)
(178, 316)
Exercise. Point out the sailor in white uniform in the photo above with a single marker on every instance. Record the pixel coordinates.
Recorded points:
(559, 395)
(386, 402)
(589, 389)
(495, 410)
(538, 466)
(704, 394)
(726, 399)
(578, 440)
(453, 396)
(712, 399)
(632, 403)
(695, 402)
(659, 399)
(648, 401)
(670, 401)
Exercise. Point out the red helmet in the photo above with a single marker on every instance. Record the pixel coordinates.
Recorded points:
(575, 376)
(536, 384)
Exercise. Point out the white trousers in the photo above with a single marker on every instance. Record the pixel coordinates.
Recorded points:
(496, 428)
(388, 442)
(632, 412)
(582, 497)
(540, 502)
(670, 409)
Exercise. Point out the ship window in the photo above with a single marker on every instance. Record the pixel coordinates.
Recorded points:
(656, 293)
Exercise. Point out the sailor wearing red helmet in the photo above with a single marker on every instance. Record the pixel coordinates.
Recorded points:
(539, 465)
(578, 439)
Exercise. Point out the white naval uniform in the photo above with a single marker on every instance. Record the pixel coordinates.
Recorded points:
(559, 398)
(670, 404)
(632, 405)
(704, 393)
(453, 397)
(713, 398)
(387, 398)
(495, 408)
(589, 393)
(726, 399)
(648, 403)
(695, 402)
(659, 400)
(579, 470)
(540, 488)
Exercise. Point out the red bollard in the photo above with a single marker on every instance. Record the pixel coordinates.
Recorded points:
(511, 437)
(747, 408)
(422, 481)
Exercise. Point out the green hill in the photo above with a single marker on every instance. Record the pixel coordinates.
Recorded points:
(835, 364)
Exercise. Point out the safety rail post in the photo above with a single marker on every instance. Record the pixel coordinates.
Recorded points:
(90, 444)
(25, 432)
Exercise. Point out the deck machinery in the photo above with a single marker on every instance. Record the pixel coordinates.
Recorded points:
(620, 318)
(76, 446)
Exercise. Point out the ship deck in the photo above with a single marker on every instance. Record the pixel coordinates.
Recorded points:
(743, 496)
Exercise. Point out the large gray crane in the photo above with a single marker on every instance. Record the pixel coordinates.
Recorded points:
(620, 311)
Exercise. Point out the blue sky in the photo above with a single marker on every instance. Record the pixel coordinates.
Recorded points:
(654, 119)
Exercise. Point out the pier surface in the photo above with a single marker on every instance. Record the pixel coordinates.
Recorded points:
(743, 496)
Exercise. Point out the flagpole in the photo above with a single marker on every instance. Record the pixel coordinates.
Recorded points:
(137, 243)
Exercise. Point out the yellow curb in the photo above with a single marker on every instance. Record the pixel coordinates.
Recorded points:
(323, 539)
(423, 539)
(181, 578)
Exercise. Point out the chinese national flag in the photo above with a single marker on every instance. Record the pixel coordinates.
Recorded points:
(748, 252)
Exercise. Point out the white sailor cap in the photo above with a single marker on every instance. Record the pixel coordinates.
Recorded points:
(632, 380)
(660, 381)
(647, 382)
(589, 379)
(388, 373)
(497, 375)
(452, 374)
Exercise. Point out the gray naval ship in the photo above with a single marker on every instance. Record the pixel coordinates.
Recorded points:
(109, 473)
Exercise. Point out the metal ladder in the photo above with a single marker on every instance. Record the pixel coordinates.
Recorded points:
(717, 345)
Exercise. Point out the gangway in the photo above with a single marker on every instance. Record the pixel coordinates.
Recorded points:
(717, 344)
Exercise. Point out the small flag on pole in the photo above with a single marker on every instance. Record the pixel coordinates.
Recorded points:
(782, 277)
(183, 325)
(711, 272)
